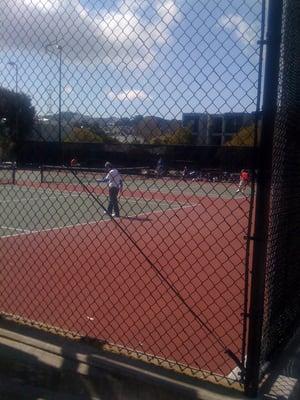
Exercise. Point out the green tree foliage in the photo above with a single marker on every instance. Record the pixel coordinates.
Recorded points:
(146, 128)
(245, 137)
(16, 118)
(6, 144)
(150, 129)
(182, 135)
(87, 135)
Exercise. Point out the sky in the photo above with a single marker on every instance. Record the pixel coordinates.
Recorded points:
(132, 57)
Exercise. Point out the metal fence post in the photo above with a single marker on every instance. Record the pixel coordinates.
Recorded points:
(263, 196)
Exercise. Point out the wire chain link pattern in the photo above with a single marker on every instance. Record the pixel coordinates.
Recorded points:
(166, 91)
(282, 272)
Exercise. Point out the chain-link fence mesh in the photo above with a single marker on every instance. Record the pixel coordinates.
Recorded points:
(281, 315)
(148, 255)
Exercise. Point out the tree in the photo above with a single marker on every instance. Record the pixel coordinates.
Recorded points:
(146, 128)
(150, 128)
(245, 137)
(87, 135)
(182, 135)
(16, 117)
(83, 135)
(6, 145)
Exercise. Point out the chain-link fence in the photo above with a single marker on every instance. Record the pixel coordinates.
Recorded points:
(148, 255)
(282, 292)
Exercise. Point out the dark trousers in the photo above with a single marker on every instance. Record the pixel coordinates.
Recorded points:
(113, 201)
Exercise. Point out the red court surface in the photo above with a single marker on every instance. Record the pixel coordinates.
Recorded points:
(90, 279)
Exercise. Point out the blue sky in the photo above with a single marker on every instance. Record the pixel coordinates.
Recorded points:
(129, 57)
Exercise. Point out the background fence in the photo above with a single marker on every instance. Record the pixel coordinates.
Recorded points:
(226, 158)
(169, 92)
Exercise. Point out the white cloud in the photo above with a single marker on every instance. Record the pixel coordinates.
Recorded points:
(43, 5)
(123, 36)
(68, 89)
(128, 95)
(167, 11)
(240, 28)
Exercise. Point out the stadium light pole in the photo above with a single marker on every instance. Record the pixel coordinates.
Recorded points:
(59, 48)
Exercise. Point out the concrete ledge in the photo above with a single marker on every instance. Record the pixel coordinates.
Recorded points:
(73, 366)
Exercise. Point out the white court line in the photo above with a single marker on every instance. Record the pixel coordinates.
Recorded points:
(77, 195)
(15, 229)
(72, 194)
(58, 228)
(26, 199)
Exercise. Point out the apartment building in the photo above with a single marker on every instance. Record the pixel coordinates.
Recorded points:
(216, 129)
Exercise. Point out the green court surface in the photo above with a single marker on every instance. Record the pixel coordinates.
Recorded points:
(24, 210)
(63, 199)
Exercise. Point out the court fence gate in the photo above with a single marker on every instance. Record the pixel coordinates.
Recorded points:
(182, 252)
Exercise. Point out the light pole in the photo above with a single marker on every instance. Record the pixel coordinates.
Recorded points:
(15, 65)
(58, 47)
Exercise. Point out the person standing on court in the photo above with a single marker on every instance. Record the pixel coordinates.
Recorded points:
(115, 185)
(160, 167)
(244, 181)
(74, 162)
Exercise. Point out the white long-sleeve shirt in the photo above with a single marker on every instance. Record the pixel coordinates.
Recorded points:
(114, 179)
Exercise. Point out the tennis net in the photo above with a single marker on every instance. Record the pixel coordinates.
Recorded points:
(76, 175)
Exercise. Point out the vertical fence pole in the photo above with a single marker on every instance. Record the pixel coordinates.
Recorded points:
(263, 196)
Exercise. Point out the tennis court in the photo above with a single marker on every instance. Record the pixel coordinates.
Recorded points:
(67, 264)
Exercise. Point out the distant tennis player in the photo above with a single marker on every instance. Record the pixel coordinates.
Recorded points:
(115, 185)
(244, 181)
(74, 162)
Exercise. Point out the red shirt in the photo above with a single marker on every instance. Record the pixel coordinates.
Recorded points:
(244, 176)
